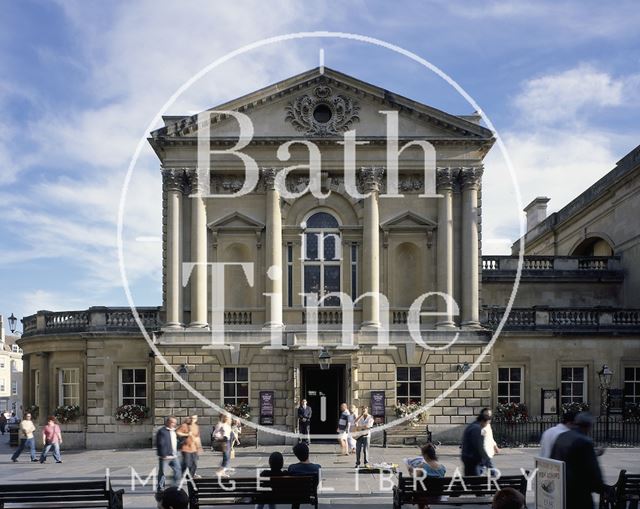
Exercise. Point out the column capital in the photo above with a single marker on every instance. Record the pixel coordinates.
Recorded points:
(470, 177)
(173, 179)
(269, 178)
(370, 178)
(446, 178)
(193, 181)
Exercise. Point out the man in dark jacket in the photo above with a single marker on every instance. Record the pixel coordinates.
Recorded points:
(583, 475)
(167, 447)
(473, 453)
(304, 420)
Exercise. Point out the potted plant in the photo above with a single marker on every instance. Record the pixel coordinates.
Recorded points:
(511, 412)
(402, 410)
(67, 413)
(132, 414)
(243, 410)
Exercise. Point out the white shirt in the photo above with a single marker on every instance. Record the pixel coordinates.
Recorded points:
(549, 438)
(488, 442)
(174, 442)
(363, 422)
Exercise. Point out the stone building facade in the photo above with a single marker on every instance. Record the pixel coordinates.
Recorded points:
(356, 240)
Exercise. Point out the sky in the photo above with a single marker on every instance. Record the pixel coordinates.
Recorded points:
(82, 81)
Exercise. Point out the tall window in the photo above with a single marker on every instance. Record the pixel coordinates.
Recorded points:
(2, 385)
(235, 386)
(14, 388)
(573, 385)
(354, 270)
(409, 385)
(290, 274)
(510, 385)
(321, 257)
(69, 386)
(36, 387)
(133, 386)
(632, 384)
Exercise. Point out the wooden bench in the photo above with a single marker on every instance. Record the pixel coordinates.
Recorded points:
(61, 494)
(246, 491)
(625, 494)
(450, 491)
(407, 435)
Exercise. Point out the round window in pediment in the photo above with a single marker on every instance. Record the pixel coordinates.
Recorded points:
(322, 113)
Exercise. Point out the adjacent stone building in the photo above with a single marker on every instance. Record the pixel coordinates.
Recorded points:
(574, 311)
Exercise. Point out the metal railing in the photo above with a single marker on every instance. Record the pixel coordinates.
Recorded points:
(606, 431)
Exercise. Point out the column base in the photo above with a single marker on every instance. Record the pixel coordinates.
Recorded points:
(365, 326)
(446, 326)
(198, 325)
(472, 325)
(273, 325)
(172, 326)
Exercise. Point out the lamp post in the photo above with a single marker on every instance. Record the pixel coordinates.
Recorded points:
(605, 375)
(13, 323)
(324, 359)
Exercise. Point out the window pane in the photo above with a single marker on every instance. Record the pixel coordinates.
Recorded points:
(628, 373)
(141, 391)
(127, 391)
(229, 374)
(566, 374)
(503, 390)
(127, 401)
(414, 390)
(127, 376)
(403, 389)
(311, 246)
(503, 374)
(243, 374)
(515, 374)
(243, 389)
(141, 375)
(312, 279)
(566, 389)
(229, 390)
(515, 389)
(229, 401)
(322, 220)
(577, 389)
(402, 374)
(330, 246)
(578, 374)
(332, 284)
(415, 374)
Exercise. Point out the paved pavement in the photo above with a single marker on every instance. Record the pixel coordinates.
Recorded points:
(338, 473)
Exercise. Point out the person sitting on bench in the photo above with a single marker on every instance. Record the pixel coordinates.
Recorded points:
(276, 462)
(508, 498)
(304, 467)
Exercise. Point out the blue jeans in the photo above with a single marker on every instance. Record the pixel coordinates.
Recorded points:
(226, 454)
(163, 464)
(25, 442)
(56, 452)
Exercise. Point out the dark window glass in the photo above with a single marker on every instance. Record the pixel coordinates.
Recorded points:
(127, 376)
(503, 374)
(415, 374)
(402, 374)
(243, 374)
(322, 220)
(311, 246)
(229, 374)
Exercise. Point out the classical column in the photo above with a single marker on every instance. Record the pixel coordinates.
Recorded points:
(273, 251)
(444, 254)
(471, 178)
(198, 278)
(46, 406)
(371, 181)
(173, 182)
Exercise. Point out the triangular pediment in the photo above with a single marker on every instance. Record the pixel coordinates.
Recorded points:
(408, 221)
(236, 221)
(288, 109)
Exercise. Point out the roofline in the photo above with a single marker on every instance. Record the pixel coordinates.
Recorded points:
(279, 87)
(625, 166)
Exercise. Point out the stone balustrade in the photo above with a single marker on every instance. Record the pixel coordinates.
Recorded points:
(94, 319)
(550, 263)
(544, 318)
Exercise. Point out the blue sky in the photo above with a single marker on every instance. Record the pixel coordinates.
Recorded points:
(80, 82)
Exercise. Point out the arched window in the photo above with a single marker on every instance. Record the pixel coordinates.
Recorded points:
(593, 246)
(321, 257)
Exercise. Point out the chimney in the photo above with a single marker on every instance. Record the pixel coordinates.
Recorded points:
(2, 338)
(536, 212)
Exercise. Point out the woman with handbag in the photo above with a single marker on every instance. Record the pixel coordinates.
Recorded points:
(221, 441)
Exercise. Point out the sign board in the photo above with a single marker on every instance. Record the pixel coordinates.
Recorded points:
(550, 485)
(267, 404)
(550, 404)
(378, 406)
(615, 403)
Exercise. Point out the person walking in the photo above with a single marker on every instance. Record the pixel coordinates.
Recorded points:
(583, 474)
(549, 437)
(167, 449)
(343, 429)
(3, 423)
(351, 442)
(490, 445)
(221, 441)
(27, 429)
(51, 438)
(363, 423)
(304, 421)
(236, 431)
(190, 444)
(473, 453)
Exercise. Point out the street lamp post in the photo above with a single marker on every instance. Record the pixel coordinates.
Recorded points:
(13, 323)
(605, 375)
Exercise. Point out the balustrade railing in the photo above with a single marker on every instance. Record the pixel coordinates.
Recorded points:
(326, 316)
(238, 317)
(544, 318)
(549, 263)
(95, 319)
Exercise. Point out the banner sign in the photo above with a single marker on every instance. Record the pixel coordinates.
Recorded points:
(267, 403)
(378, 406)
(550, 484)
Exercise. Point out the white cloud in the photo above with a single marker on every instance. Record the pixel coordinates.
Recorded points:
(565, 95)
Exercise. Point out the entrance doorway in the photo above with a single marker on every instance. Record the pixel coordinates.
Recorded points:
(324, 391)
